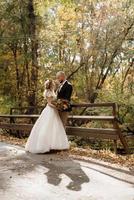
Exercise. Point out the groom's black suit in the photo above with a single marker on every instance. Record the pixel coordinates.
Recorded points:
(65, 92)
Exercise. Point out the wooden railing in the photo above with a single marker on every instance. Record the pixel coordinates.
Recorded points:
(113, 133)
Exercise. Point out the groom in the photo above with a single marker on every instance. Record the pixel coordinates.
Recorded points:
(64, 92)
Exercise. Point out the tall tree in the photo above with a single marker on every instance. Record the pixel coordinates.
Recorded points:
(34, 47)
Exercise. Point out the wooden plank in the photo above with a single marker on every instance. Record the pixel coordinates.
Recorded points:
(77, 117)
(93, 130)
(70, 128)
(92, 133)
(25, 127)
(77, 131)
(19, 116)
(121, 137)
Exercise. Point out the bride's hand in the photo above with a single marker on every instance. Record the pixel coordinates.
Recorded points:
(51, 105)
(49, 101)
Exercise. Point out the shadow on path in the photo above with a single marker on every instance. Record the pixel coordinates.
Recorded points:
(21, 164)
(57, 166)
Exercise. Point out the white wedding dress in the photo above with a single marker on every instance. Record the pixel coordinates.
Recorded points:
(48, 131)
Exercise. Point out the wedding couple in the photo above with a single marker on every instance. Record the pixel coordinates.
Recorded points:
(48, 133)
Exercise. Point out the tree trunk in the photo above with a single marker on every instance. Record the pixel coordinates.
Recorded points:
(32, 97)
(14, 51)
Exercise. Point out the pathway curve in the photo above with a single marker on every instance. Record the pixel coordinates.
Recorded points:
(24, 176)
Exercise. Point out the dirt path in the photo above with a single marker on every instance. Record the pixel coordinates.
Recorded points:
(55, 177)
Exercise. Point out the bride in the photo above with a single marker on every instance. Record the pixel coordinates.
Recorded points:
(48, 132)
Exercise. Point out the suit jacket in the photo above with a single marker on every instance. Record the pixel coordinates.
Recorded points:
(65, 92)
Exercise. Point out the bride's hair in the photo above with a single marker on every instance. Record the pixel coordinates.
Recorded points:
(49, 85)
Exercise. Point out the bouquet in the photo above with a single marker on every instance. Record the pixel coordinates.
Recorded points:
(62, 104)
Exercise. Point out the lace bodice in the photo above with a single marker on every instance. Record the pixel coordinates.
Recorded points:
(49, 93)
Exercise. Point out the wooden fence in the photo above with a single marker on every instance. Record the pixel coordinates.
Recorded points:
(72, 128)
